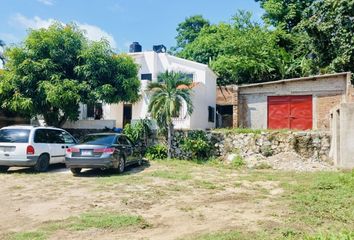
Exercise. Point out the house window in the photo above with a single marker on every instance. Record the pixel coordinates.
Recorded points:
(94, 111)
(190, 76)
(211, 114)
(146, 76)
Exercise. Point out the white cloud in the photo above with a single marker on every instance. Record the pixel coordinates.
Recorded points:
(46, 2)
(92, 32)
(34, 23)
(95, 33)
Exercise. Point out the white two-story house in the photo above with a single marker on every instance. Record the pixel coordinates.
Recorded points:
(151, 63)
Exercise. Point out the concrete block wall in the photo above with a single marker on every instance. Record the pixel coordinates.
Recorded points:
(342, 131)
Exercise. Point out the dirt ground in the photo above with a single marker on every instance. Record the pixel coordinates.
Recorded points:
(177, 201)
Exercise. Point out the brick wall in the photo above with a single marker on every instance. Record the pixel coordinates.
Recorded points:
(228, 95)
(324, 104)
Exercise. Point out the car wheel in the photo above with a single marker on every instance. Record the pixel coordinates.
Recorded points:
(42, 163)
(4, 168)
(121, 164)
(75, 171)
(140, 161)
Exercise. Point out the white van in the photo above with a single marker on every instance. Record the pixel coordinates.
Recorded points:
(32, 146)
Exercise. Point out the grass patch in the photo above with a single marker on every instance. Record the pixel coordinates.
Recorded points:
(232, 235)
(288, 235)
(98, 220)
(206, 185)
(171, 174)
(237, 162)
(324, 199)
(105, 221)
(28, 236)
(121, 178)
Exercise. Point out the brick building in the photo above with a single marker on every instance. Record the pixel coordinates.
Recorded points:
(299, 103)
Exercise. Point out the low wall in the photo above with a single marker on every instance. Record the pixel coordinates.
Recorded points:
(309, 145)
(80, 133)
(90, 124)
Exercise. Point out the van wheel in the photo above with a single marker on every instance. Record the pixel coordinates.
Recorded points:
(42, 163)
(75, 171)
(4, 168)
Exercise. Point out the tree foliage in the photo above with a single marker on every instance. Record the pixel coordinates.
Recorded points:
(324, 30)
(241, 51)
(188, 30)
(57, 68)
(329, 25)
(298, 38)
(285, 14)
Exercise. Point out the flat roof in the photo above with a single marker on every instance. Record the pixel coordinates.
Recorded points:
(296, 79)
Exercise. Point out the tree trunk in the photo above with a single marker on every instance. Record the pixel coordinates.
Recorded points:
(169, 140)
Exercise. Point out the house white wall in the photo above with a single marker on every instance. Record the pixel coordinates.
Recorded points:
(203, 95)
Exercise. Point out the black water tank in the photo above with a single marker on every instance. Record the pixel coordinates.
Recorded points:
(135, 47)
(159, 48)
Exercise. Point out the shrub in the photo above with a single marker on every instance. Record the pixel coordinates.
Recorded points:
(197, 143)
(267, 151)
(237, 162)
(158, 151)
(138, 131)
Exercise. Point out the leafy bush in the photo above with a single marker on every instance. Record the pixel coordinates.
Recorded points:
(138, 131)
(158, 151)
(198, 144)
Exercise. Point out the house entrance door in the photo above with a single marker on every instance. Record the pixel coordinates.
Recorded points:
(127, 114)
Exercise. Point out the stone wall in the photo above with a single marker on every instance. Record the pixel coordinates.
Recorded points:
(308, 145)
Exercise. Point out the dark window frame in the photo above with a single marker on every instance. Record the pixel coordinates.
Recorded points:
(211, 114)
(146, 76)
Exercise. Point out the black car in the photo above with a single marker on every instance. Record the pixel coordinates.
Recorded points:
(104, 151)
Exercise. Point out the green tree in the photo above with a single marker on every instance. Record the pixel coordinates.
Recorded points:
(188, 30)
(242, 51)
(329, 25)
(57, 68)
(321, 32)
(285, 14)
(168, 95)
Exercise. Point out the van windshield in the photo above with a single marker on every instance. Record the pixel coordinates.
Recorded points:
(14, 135)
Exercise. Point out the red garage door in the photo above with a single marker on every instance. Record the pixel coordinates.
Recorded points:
(292, 112)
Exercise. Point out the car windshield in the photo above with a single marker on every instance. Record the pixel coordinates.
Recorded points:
(14, 135)
(102, 139)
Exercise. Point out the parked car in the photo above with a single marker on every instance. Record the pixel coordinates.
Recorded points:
(104, 151)
(33, 146)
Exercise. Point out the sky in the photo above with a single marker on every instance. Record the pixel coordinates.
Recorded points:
(149, 22)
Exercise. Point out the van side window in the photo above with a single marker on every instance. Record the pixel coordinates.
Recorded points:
(67, 138)
(54, 136)
(41, 136)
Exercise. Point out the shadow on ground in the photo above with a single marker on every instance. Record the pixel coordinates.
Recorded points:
(129, 170)
(60, 168)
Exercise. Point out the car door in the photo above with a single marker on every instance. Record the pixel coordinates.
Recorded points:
(57, 146)
(127, 148)
(136, 155)
(41, 142)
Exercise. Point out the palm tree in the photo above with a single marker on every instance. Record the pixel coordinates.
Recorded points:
(169, 94)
